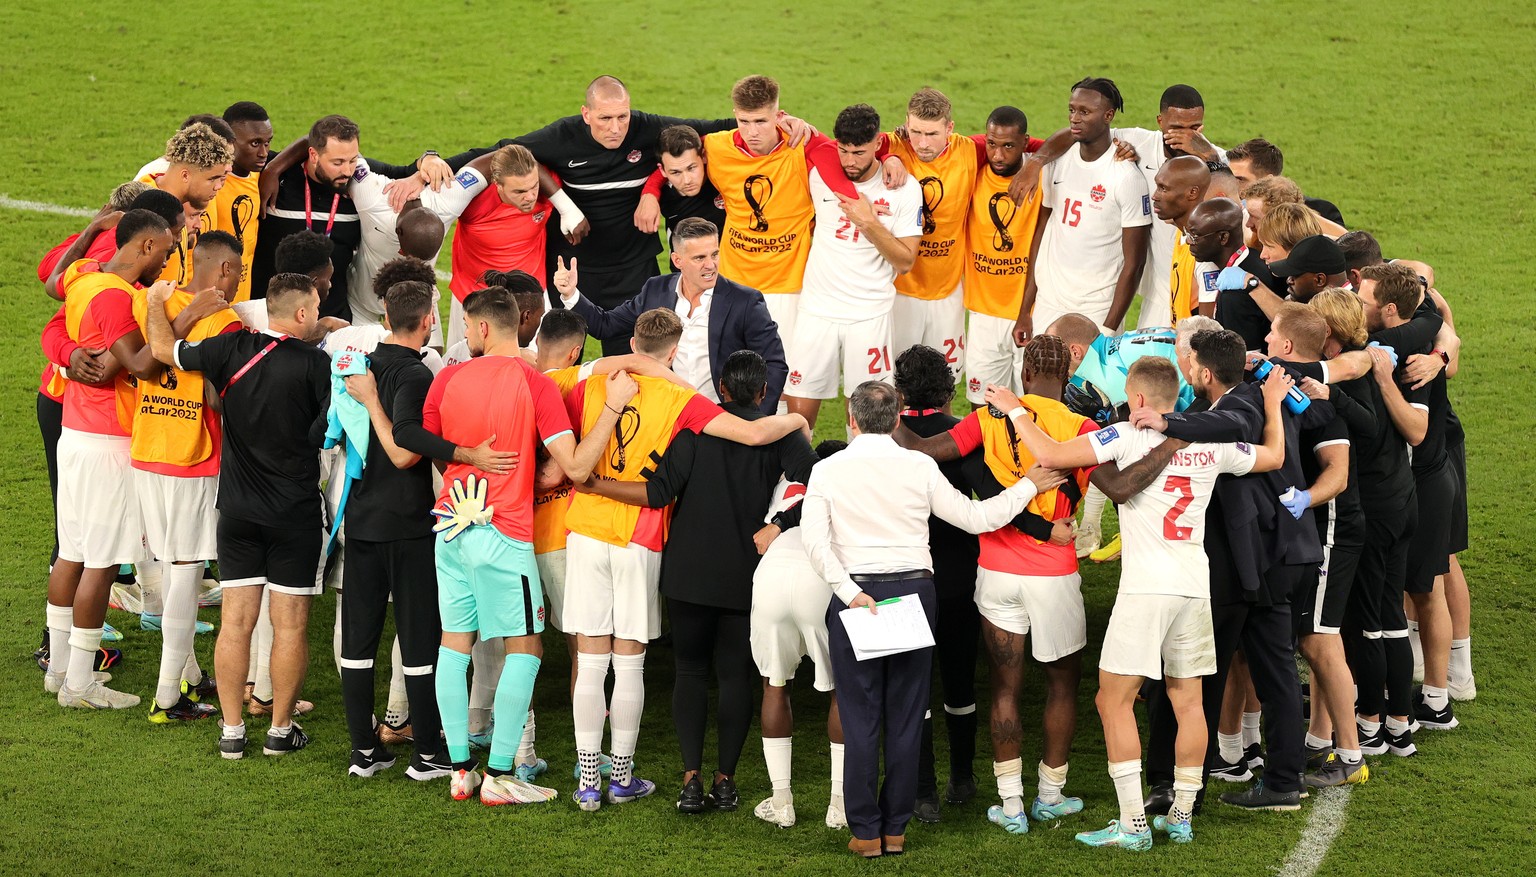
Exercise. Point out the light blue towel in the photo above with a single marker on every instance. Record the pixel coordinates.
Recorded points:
(347, 420)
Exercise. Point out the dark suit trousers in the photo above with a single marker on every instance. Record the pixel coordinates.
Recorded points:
(610, 288)
(882, 693)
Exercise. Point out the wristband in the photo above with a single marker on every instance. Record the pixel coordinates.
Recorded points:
(1018, 411)
(618, 411)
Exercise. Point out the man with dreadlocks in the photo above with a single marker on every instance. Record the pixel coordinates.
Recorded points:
(1027, 584)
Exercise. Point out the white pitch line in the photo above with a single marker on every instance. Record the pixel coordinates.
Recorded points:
(9, 203)
(6, 201)
(1324, 824)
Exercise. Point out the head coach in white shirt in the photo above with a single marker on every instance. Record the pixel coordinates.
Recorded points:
(720, 316)
(865, 525)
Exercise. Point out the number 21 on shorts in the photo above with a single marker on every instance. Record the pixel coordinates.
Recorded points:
(879, 360)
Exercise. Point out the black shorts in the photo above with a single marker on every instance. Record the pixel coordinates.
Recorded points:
(1458, 453)
(1319, 604)
(286, 560)
(1376, 595)
(1429, 554)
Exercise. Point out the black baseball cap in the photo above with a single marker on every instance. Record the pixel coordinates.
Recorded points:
(1317, 254)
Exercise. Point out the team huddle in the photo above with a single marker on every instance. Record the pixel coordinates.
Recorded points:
(247, 367)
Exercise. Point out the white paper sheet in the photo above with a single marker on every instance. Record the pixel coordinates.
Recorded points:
(899, 626)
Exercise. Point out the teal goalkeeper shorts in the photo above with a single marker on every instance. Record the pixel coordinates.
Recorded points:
(488, 582)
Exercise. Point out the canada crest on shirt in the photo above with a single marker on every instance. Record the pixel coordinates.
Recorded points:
(719, 202)
(1097, 193)
(634, 156)
(539, 217)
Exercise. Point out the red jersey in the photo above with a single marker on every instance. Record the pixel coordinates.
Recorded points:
(494, 236)
(98, 311)
(100, 250)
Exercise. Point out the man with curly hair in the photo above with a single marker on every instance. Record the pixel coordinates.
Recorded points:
(199, 161)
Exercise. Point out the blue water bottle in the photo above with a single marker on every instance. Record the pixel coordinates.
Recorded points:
(1295, 399)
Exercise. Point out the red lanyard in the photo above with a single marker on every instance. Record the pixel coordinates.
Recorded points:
(335, 203)
(913, 412)
(1238, 256)
(248, 366)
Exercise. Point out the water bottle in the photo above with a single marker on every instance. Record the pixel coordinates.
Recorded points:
(1295, 399)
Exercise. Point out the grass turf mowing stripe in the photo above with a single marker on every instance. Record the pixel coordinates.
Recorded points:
(1325, 822)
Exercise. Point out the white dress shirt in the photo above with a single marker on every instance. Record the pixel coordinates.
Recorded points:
(866, 510)
(692, 360)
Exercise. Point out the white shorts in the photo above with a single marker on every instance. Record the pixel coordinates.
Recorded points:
(99, 523)
(991, 357)
(1049, 609)
(455, 325)
(789, 615)
(333, 471)
(825, 351)
(181, 521)
(1046, 313)
(939, 324)
(552, 578)
(784, 307)
(1156, 310)
(1155, 634)
(611, 590)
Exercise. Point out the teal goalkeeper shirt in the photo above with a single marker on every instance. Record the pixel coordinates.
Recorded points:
(1109, 360)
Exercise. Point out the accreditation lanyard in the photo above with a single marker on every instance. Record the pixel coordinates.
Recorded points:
(1238, 256)
(252, 364)
(308, 211)
(913, 412)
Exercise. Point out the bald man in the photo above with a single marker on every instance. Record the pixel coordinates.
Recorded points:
(1179, 185)
(417, 231)
(1214, 230)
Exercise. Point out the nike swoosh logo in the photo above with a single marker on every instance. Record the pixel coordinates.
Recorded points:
(576, 164)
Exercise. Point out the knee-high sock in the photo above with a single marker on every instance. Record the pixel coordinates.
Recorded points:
(527, 752)
(398, 708)
(261, 642)
(960, 728)
(178, 625)
(83, 643)
(1399, 676)
(588, 706)
(453, 701)
(60, 620)
(488, 657)
(151, 576)
(514, 691)
(336, 635)
(624, 712)
(1093, 506)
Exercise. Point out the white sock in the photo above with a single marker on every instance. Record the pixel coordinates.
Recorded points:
(1317, 742)
(1349, 756)
(1397, 727)
(1436, 698)
(336, 637)
(1127, 778)
(778, 754)
(1186, 785)
(399, 705)
(1251, 728)
(837, 770)
(1093, 506)
(479, 720)
(589, 704)
(624, 712)
(1418, 647)
(263, 645)
(1368, 729)
(60, 620)
(232, 732)
(191, 670)
(1052, 779)
(1230, 746)
(1010, 785)
(151, 576)
(488, 658)
(178, 627)
(83, 643)
(526, 753)
(1461, 661)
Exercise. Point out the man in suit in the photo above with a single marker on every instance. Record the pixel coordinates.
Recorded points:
(719, 316)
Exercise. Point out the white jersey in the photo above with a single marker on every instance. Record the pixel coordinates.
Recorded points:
(381, 242)
(1164, 525)
(1080, 254)
(364, 339)
(846, 278)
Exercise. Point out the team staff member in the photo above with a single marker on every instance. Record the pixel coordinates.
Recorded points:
(722, 490)
(869, 552)
(998, 233)
(276, 391)
(681, 188)
(1214, 232)
(1180, 185)
(1090, 243)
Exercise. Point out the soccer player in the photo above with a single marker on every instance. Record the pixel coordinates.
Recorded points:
(176, 455)
(613, 553)
(99, 525)
(998, 232)
(199, 162)
(683, 190)
(237, 207)
(275, 388)
(1179, 185)
(95, 245)
(1258, 159)
(488, 582)
(1095, 217)
(930, 307)
(1160, 627)
(416, 232)
(843, 330)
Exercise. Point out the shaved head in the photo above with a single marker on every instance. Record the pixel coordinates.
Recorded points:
(1188, 171)
(1224, 185)
(604, 89)
(1217, 214)
(1214, 229)
(1180, 184)
(1074, 329)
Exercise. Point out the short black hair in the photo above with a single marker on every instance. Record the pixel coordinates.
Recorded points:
(286, 285)
(219, 126)
(856, 125)
(1223, 352)
(1264, 156)
(245, 111)
(496, 306)
(1185, 97)
(220, 239)
(829, 447)
(407, 302)
(1009, 117)
(744, 375)
(561, 326)
(303, 252)
(164, 204)
(1360, 249)
(1105, 87)
(515, 281)
(399, 270)
(924, 378)
(137, 222)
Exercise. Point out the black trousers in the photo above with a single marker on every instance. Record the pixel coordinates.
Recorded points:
(889, 694)
(613, 287)
(374, 572)
(704, 635)
(1265, 633)
(50, 422)
(958, 636)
